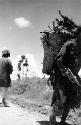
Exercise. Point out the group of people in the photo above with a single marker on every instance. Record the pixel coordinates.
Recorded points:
(6, 69)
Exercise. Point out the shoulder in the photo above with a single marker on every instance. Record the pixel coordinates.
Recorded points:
(69, 43)
(6, 61)
(2, 59)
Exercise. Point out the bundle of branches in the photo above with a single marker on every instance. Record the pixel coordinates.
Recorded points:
(52, 40)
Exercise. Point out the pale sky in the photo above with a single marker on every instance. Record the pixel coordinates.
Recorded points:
(22, 20)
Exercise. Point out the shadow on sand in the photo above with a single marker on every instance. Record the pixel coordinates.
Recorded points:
(1, 105)
(43, 122)
(47, 123)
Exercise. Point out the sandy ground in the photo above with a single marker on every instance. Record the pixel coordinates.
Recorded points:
(27, 109)
(14, 115)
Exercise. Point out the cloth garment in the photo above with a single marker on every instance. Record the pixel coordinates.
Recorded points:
(5, 71)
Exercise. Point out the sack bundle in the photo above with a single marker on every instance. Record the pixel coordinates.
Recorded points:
(50, 51)
(52, 40)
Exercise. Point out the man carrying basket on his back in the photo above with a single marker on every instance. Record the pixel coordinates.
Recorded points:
(67, 94)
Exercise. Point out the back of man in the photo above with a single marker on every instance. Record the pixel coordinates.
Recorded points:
(66, 59)
(5, 71)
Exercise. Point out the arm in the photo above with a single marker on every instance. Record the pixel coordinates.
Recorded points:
(62, 51)
(10, 67)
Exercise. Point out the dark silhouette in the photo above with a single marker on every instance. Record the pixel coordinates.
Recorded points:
(62, 54)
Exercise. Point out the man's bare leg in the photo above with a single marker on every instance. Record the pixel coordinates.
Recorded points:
(65, 114)
(52, 118)
(4, 95)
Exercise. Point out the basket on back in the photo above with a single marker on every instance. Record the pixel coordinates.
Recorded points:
(51, 46)
(53, 40)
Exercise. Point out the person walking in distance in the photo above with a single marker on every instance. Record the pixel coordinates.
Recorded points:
(6, 69)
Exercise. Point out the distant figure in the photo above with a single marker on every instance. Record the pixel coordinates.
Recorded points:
(18, 75)
(5, 71)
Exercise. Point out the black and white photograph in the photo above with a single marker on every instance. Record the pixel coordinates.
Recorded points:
(40, 62)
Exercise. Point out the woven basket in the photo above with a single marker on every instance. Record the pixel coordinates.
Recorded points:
(50, 52)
